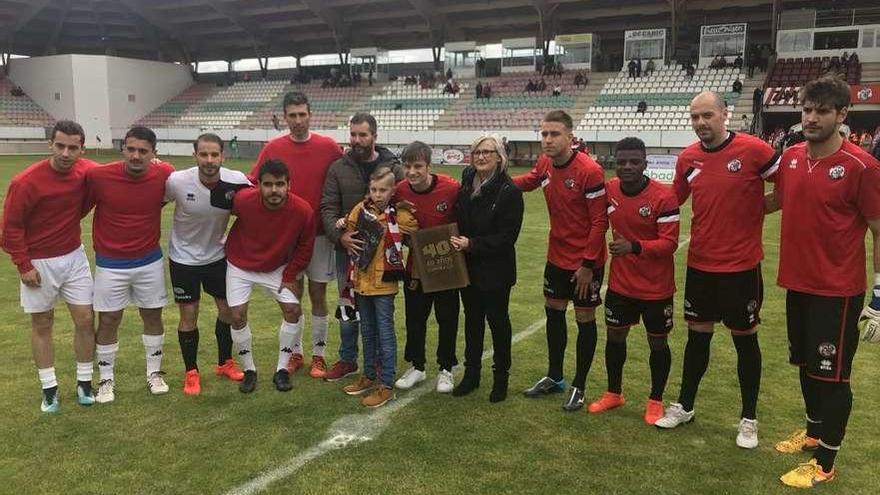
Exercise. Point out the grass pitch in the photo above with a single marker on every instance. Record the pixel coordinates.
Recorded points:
(428, 443)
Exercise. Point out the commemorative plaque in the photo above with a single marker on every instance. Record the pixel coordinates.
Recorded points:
(438, 265)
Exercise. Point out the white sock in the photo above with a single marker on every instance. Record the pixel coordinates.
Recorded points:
(106, 354)
(242, 339)
(153, 349)
(287, 336)
(319, 335)
(47, 377)
(84, 371)
(297, 328)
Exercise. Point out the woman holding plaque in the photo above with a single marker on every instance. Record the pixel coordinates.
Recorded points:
(490, 213)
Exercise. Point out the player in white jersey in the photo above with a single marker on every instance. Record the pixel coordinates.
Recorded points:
(196, 256)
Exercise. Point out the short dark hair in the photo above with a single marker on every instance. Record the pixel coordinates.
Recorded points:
(142, 133)
(208, 137)
(295, 98)
(559, 116)
(70, 128)
(826, 91)
(381, 172)
(362, 117)
(273, 167)
(631, 143)
(416, 151)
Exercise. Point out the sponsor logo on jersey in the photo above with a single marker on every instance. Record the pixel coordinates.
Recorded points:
(190, 197)
(827, 349)
(645, 211)
(442, 206)
(734, 165)
(836, 172)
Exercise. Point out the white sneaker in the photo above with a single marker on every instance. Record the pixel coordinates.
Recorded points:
(673, 416)
(747, 437)
(157, 384)
(445, 382)
(410, 377)
(105, 392)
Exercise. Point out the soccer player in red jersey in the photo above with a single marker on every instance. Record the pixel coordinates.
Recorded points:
(644, 221)
(269, 245)
(574, 188)
(433, 197)
(829, 193)
(41, 233)
(724, 172)
(308, 156)
(128, 196)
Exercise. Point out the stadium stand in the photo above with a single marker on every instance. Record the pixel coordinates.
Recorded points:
(789, 74)
(228, 107)
(170, 112)
(667, 93)
(329, 106)
(21, 110)
(409, 107)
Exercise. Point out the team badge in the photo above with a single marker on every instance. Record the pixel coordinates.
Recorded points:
(645, 211)
(667, 311)
(752, 306)
(836, 172)
(827, 349)
(569, 183)
(442, 206)
(229, 195)
(734, 165)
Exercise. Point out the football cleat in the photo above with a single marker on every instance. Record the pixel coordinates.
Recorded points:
(609, 400)
(747, 436)
(192, 383)
(84, 394)
(230, 370)
(575, 400)
(282, 381)
(653, 411)
(295, 363)
(249, 382)
(673, 416)
(807, 475)
(545, 386)
(50, 400)
(105, 391)
(797, 442)
(156, 383)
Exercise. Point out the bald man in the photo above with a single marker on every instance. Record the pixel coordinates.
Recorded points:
(724, 172)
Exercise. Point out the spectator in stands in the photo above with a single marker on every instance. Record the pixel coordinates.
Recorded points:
(542, 86)
(578, 80)
(557, 90)
(844, 59)
(370, 77)
(481, 66)
(825, 66)
(455, 87)
(649, 68)
(487, 91)
(17, 91)
(854, 59)
(753, 60)
(233, 146)
(643, 107)
(738, 62)
(449, 74)
(275, 122)
(690, 70)
(737, 86)
(479, 90)
(638, 67)
(723, 62)
(745, 124)
(631, 66)
(507, 148)
(866, 141)
(757, 99)
(447, 89)
(558, 70)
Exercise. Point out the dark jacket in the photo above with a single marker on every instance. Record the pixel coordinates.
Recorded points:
(491, 221)
(346, 185)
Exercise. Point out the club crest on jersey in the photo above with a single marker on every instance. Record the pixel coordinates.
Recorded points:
(734, 165)
(442, 206)
(827, 349)
(230, 194)
(836, 172)
(645, 211)
(569, 183)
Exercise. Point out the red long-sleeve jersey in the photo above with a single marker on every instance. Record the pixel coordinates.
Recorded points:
(575, 195)
(650, 218)
(261, 240)
(128, 210)
(41, 212)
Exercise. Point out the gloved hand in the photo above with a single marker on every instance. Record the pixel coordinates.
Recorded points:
(869, 320)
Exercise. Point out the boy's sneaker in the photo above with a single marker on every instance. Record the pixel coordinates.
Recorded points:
(192, 384)
(609, 400)
(545, 386)
(84, 394)
(156, 383)
(445, 382)
(249, 382)
(379, 397)
(295, 363)
(807, 475)
(105, 391)
(653, 411)
(361, 386)
(318, 368)
(282, 381)
(50, 400)
(340, 370)
(747, 438)
(673, 416)
(575, 400)
(410, 377)
(797, 442)
(230, 370)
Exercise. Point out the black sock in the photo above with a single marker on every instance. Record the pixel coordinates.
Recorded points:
(557, 339)
(50, 392)
(586, 348)
(748, 367)
(836, 407)
(812, 404)
(696, 361)
(224, 341)
(189, 348)
(661, 362)
(615, 356)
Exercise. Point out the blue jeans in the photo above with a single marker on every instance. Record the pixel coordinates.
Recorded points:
(377, 332)
(348, 330)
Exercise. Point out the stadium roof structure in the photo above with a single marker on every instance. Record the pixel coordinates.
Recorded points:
(194, 30)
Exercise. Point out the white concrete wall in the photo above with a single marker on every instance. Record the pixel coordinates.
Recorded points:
(42, 77)
(151, 83)
(91, 106)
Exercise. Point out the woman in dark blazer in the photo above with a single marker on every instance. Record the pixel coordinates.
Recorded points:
(490, 213)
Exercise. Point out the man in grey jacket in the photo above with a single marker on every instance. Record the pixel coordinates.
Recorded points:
(347, 184)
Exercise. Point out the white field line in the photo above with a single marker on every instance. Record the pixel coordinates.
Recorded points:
(354, 429)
